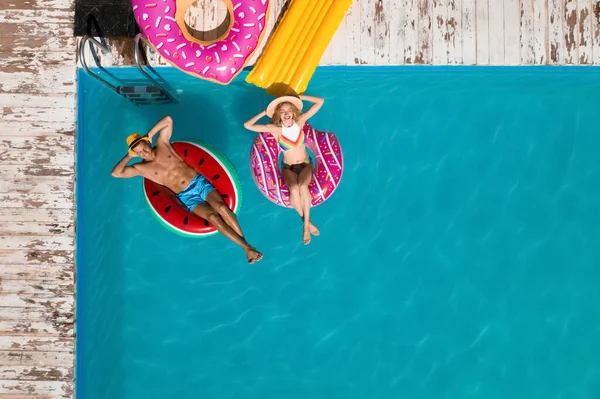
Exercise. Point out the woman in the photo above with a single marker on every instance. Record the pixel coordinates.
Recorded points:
(286, 126)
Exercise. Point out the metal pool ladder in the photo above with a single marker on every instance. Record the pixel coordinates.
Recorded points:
(147, 90)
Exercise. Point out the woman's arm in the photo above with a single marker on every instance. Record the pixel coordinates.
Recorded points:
(317, 104)
(122, 170)
(250, 124)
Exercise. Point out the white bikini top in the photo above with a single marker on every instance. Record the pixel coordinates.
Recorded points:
(291, 137)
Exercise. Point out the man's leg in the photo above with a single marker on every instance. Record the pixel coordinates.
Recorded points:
(205, 211)
(215, 200)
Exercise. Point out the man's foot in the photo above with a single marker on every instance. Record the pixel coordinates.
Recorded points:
(306, 235)
(253, 255)
(313, 229)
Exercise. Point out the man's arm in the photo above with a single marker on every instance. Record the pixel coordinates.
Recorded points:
(164, 127)
(122, 170)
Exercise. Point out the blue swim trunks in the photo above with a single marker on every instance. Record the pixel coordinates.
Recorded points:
(195, 193)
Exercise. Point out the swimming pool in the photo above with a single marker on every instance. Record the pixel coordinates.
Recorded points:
(458, 258)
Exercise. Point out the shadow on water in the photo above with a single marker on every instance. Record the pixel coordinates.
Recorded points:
(200, 110)
(248, 102)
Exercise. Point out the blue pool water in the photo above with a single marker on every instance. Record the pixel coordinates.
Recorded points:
(459, 257)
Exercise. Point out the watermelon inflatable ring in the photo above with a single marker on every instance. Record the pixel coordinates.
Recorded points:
(167, 208)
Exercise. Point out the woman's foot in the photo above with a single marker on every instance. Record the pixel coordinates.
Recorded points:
(253, 255)
(306, 235)
(313, 229)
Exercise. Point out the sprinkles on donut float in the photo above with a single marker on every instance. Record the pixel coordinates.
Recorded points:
(162, 22)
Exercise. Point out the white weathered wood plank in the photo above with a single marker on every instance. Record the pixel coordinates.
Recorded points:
(440, 31)
(555, 31)
(44, 287)
(396, 17)
(39, 130)
(18, 157)
(425, 25)
(45, 344)
(21, 314)
(25, 114)
(49, 327)
(367, 32)
(194, 17)
(36, 257)
(39, 171)
(541, 34)
(411, 30)
(512, 22)
(50, 304)
(51, 80)
(496, 31)
(20, 396)
(381, 28)
(337, 46)
(33, 61)
(16, 44)
(47, 201)
(584, 25)
(37, 5)
(23, 16)
(30, 28)
(527, 37)
(353, 34)
(60, 389)
(570, 32)
(9, 389)
(26, 358)
(211, 19)
(59, 100)
(326, 57)
(596, 31)
(52, 216)
(36, 273)
(45, 142)
(34, 186)
(36, 242)
(32, 373)
(469, 32)
(455, 33)
(482, 32)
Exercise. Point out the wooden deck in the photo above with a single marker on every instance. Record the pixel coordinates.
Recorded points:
(37, 143)
(37, 135)
(441, 32)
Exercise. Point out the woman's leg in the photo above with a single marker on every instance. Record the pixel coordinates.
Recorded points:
(306, 200)
(291, 180)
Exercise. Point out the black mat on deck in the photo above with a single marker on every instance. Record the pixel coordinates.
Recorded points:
(106, 18)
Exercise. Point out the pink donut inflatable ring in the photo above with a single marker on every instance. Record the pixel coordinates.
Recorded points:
(327, 158)
(162, 22)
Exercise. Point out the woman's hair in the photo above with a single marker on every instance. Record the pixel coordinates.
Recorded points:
(276, 119)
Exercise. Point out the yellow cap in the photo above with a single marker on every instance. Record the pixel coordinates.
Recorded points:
(133, 139)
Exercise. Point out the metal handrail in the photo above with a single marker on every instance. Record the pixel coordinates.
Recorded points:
(105, 48)
(136, 56)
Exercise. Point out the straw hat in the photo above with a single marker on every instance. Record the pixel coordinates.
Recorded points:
(293, 99)
(133, 139)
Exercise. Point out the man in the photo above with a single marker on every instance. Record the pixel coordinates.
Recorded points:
(162, 165)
